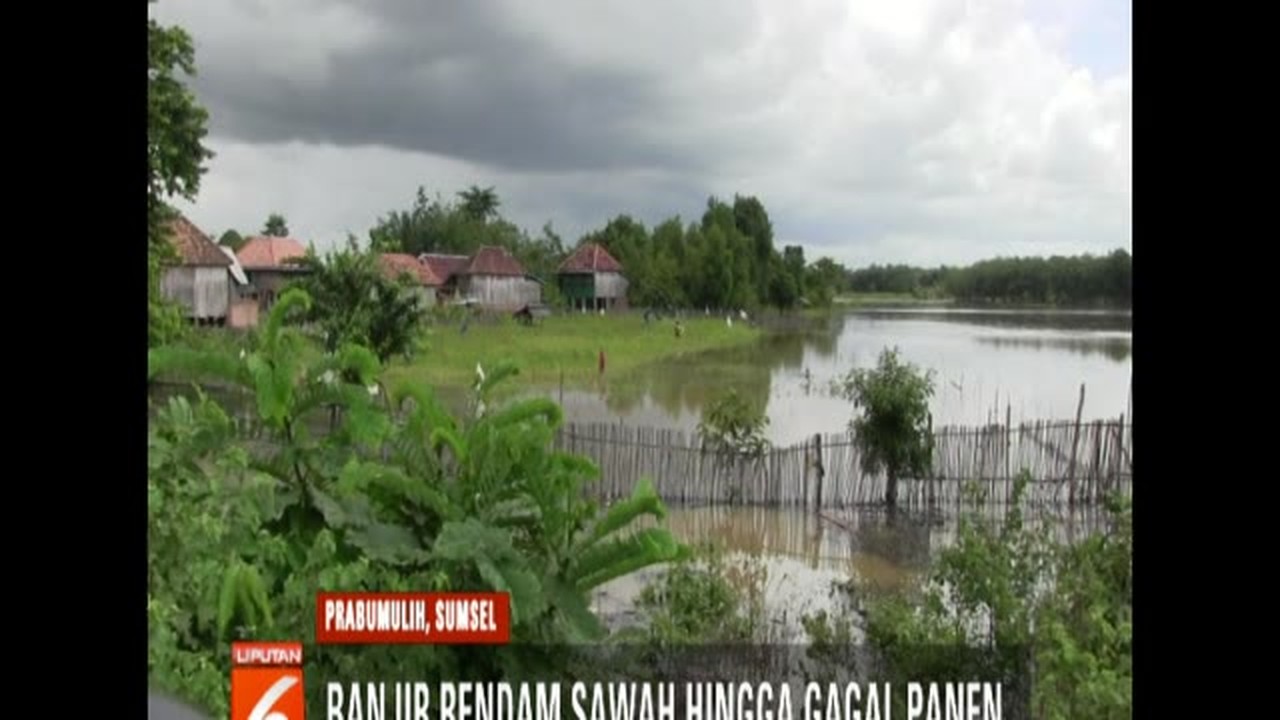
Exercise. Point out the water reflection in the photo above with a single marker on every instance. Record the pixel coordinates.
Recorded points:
(1115, 348)
(674, 392)
(1025, 319)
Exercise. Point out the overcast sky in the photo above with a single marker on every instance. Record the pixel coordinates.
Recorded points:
(922, 131)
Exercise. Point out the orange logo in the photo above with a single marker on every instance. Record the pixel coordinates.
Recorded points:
(266, 681)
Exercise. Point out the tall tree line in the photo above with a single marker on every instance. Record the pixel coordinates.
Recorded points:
(726, 260)
(1058, 280)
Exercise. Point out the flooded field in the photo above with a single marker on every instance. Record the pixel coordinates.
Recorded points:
(1029, 364)
(793, 558)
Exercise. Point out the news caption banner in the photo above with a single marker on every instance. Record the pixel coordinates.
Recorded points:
(344, 618)
(267, 677)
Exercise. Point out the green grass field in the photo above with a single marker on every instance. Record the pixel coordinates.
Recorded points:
(568, 343)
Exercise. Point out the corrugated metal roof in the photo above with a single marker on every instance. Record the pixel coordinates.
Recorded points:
(237, 272)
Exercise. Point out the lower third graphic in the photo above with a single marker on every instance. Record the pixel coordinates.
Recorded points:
(266, 681)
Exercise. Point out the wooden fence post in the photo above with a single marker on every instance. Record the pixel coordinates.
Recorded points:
(1008, 449)
(818, 468)
(1075, 445)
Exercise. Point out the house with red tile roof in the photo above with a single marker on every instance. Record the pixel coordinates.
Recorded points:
(448, 269)
(492, 278)
(591, 279)
(271, 264)
(497, 281)
(200, 277)
(396, 266)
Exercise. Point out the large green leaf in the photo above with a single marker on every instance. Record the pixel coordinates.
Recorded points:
(388, 543)
(495, 375)
(519, 509)
(579, 621)
(392, 485)
(539, 408)
(342, 512)
(527, 600)
(615, 558)
(644, 500)
(490, 550)
(446, 436)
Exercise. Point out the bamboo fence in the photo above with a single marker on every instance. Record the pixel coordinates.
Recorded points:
(1070, 463)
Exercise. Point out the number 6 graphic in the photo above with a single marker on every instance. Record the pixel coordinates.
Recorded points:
(269, 698)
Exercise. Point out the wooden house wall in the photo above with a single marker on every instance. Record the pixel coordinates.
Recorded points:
(501, 292)
(204, 292)
(610, 285)
(271, 284)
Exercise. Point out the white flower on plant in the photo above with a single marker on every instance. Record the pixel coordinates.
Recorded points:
(373, 390)
(329, 377)
(242, 353)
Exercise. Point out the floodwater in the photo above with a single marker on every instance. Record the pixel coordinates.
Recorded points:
(986, 364)
(794, 560)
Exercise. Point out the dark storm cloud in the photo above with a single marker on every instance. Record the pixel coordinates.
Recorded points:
(869, 130)
(452, 79)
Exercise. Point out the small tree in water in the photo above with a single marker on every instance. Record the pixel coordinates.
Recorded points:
(734, 426)
(893, 432)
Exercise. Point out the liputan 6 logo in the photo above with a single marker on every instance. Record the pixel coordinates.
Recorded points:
(266, 681)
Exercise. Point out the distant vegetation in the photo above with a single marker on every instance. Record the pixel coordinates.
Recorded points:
(727, 260)
(1083, 280)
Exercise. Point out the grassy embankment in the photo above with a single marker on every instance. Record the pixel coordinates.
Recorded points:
(568, 343)
(447, 357)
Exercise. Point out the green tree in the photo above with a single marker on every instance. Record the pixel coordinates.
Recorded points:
(734, 425)
(893, 431)
(231, 239)
(176, 128)
(354, 303)
(276, 226)
(479, 203)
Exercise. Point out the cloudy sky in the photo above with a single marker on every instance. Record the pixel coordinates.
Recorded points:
(922, 131)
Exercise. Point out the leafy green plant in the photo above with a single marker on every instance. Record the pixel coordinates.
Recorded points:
(1085, 661)
(733, 425)
(486, 498)
(892, 432)
(354, 303)
(400, 494)
(205, 514)
(289, 393)
(695, 601)
(1012, 604)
